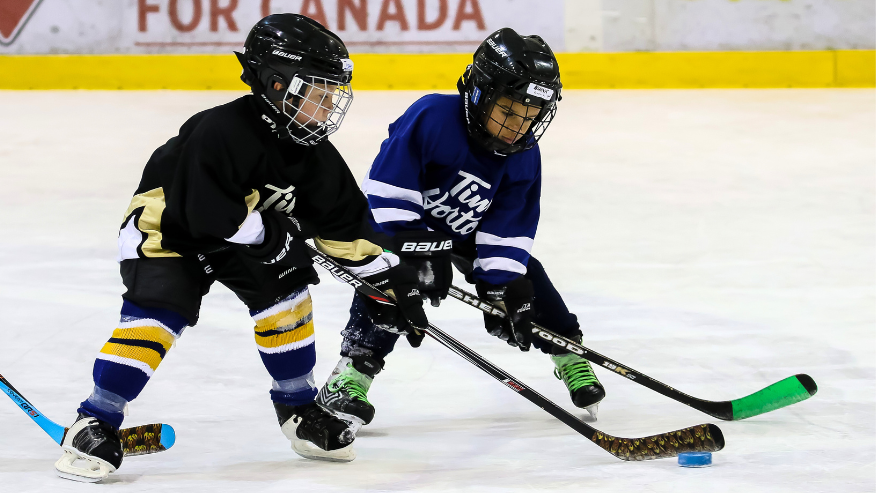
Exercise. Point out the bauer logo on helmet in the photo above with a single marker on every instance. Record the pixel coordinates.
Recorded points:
(540, 91)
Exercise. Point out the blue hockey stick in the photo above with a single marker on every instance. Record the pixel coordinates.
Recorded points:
(138, 440)
(53, 429)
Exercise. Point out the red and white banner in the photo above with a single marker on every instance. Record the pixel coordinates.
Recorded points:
(218, 26)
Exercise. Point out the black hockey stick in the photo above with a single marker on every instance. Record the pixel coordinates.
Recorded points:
(700, 438)
(778, 395)
(138, 440)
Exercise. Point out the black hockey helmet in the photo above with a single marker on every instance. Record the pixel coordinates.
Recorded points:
(522, 69)
(311, 63)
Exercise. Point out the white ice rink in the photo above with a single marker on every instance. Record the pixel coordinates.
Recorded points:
(716, 240)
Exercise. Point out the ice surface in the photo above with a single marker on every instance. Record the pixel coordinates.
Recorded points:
(717, 240)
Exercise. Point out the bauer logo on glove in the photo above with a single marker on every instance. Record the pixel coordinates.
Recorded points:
(426, 246)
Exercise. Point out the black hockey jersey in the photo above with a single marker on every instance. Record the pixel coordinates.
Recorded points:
(199, 187)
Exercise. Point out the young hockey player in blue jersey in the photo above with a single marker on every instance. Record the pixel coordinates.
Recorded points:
(462, 174)
(231, 199)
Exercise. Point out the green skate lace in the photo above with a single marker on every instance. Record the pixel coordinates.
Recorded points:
(576, 375)
(352, 387)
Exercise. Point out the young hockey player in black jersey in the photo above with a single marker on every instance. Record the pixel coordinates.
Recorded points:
(459, 179)
(232, 199)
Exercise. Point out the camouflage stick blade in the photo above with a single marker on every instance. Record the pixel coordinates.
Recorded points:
(146, 439)
(700, 438)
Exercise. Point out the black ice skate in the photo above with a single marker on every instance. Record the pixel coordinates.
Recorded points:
(584, 388)
(345, 393)
(315, 433)
(92, 450)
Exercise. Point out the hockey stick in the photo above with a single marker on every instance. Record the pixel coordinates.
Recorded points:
(700, 438)
(778, 395)
(139, 440)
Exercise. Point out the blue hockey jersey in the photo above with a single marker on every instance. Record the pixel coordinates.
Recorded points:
(428, 176)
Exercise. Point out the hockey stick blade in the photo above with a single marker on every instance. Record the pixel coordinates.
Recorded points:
(700, 438)
(139, 440)
(776, 396)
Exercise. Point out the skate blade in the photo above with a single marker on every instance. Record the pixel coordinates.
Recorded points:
(593, 410)
(97, 469)
(310, 451)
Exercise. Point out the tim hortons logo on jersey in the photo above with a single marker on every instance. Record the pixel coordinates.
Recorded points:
(514, 385)
(426, 246)
(283, 200)
(442, 208)
(336, 271)
(286, 55)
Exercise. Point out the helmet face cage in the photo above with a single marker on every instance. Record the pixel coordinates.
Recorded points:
(307, 97)
(524, 131)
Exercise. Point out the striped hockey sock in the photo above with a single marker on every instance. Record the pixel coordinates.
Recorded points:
(285, 340)
(128, 359)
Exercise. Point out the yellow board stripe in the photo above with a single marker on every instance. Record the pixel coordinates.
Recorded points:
(155, 334)
(146, 355)
(640, 70)
(288, 337)
(285, 317)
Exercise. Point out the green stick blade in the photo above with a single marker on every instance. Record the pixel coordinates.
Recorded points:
(778, 395)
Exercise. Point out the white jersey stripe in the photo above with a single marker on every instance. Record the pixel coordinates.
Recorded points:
(387, 191)
(521, 242)
(389, 215)
(127, 362)
(287, 347)
(500, 263)
(251, 232)
(147, 322)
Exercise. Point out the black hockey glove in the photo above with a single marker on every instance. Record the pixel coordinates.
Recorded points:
(516, 299)
(429, 253)
(407, 315)
(284, 241)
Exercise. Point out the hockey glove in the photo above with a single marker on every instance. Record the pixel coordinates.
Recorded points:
(407, 315)
(429, 253)
(284, 241)
(516, 299)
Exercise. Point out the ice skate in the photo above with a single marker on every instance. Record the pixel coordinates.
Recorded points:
(92, 450)
(345, 394)
(315, 433)
(584, 388)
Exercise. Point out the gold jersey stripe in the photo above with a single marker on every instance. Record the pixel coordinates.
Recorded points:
(285, 317)
(252, 200)
(350, 250)
(146, 333)
(146, 355)
(152, 202)
(277, 340)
